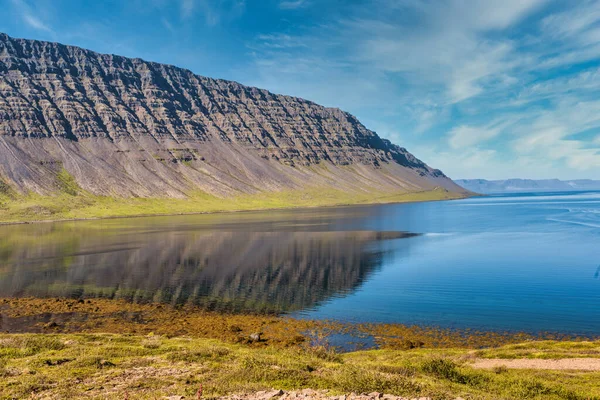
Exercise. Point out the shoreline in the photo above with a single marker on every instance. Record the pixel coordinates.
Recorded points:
(99, 315)
(96, 348)
(285, 208)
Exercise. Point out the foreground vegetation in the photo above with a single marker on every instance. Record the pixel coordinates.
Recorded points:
(151, 366)
(71, 202)
(98, 348)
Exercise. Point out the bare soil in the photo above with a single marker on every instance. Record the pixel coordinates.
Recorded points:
(579, 364)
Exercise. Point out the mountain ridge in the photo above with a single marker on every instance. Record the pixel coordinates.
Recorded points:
(124, 127)
(485, 186)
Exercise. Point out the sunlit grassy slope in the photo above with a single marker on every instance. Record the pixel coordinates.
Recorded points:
(73, 203)
(117, 366)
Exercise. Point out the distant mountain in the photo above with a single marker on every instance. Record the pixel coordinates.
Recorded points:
(527, 185)
(127, 128)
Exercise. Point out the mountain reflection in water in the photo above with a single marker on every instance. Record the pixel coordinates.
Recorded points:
(239, 267)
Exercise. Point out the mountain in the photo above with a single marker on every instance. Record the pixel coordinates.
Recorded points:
(528, 185)
(78, 122)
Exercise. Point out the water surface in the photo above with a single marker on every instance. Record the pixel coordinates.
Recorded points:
(524, 262)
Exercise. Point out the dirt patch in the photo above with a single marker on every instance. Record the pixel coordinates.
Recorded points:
(580, 364)
(317, 394)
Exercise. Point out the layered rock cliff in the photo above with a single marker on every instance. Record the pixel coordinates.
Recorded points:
(128, 127)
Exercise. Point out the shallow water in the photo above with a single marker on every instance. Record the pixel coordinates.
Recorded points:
(525, 262)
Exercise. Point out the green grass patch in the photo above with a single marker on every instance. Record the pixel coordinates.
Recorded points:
(66, 183)
(5, 189)
(71, 202)
(544, 350)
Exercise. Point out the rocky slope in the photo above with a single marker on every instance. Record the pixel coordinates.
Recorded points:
(131, 128)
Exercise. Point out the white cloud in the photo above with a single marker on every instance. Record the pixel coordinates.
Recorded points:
(34, 22)
(28, 16)
(465, 136)
(467, 163)
(449, 47)
(427, 115)
(214, 12)
(187, 8)
(280, 41)
(293, 4)
(552, 134)
(573, 22)
(168, 25)
(586, 82)
(474, 162)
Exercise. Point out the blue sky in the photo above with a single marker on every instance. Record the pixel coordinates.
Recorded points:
(488, 89)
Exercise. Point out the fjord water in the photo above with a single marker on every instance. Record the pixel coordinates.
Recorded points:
(522, 262)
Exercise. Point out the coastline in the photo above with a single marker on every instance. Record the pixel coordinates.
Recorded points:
(399, 198)
(100, 315)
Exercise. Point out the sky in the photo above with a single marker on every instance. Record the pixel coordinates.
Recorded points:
(488, 89)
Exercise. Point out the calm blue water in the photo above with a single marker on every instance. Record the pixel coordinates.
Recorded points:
(517, 262)
(524, 262)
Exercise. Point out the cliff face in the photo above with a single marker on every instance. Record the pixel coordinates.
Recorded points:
(127, 127)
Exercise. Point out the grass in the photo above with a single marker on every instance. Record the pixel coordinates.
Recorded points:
(111, 366)
(546, 350)
(72, 202)
(67, 183)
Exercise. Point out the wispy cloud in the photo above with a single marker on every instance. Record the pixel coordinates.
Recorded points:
(552, 134)
(477, 75)
(28, 16)
(450, 47)
(293, 4)
(463, 136)
(167, 24)
(280, 41)
(462, 163)
(187, 8)
(36, 23)
(213, 11)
